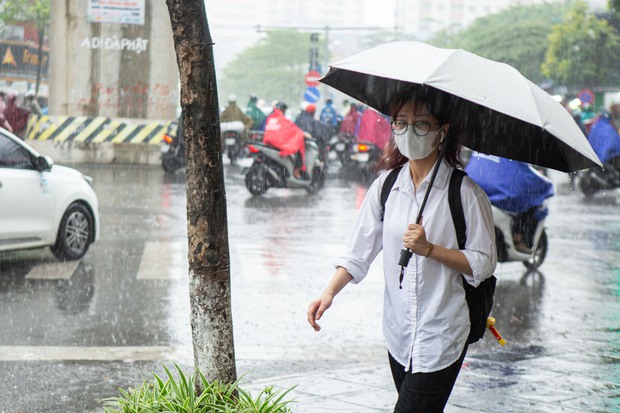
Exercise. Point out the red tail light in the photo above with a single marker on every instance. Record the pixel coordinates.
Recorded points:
(167, 139)
(362, 147)
(253, 149)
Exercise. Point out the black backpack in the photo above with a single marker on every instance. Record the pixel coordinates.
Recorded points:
(479, 299)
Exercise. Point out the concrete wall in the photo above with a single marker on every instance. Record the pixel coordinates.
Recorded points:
(109, 69)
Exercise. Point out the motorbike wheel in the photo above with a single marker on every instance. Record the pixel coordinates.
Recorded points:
(318, 179)
(232, 154)
(256, 181)
(170, 163)
(586, 184)
(539, 254)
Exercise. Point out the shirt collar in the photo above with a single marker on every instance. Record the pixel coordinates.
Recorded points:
(404, 182)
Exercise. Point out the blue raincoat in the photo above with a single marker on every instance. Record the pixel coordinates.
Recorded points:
(604, 140)
(329, 116)
(513, 186)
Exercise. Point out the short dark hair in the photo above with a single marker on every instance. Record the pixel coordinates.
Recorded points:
(442, 106)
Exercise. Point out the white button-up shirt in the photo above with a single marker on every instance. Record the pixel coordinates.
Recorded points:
(426, 323)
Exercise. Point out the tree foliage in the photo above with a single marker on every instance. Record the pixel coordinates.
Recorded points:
(517, 36)
(385, 36)
(583, 50)
(37, 12)
(274, 68)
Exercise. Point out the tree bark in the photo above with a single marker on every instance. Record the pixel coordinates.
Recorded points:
(207, 225)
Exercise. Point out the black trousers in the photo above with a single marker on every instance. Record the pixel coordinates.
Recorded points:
(424, 392)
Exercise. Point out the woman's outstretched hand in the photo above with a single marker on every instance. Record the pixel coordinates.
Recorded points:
(316, 310)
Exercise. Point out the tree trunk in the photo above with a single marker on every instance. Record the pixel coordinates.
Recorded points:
(207, 230)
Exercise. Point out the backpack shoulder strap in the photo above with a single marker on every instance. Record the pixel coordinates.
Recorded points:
(387, 187)
(456, 206)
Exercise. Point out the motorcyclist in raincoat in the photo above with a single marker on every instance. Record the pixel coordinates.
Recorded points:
(257, 115)
(374, 128)
(234, 113)
(605, 141)
(329, 115)
(351, 122)
(316, 129)
(286, 136)
(15, 115)
(515, 187)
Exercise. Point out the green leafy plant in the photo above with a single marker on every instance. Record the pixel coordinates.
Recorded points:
(178, 395)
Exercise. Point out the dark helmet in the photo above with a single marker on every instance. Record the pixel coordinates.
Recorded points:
(281, 106)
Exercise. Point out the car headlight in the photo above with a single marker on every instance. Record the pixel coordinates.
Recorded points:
(88, 180)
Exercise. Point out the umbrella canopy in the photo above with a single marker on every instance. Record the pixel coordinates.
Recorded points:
(499, 110)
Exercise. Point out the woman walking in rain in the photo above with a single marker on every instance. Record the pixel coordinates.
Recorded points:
(425, 315)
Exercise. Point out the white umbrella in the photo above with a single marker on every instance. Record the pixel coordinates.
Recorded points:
(501, 112)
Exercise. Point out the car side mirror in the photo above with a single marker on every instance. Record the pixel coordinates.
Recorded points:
(44, 163)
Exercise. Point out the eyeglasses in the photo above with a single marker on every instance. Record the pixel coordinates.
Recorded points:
(420, 128)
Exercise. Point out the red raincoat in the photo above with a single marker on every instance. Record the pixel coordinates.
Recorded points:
(351, 122)
(284, 135)
(374, 129)
(16, 116)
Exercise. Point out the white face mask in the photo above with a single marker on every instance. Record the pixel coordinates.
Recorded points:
(416, 147)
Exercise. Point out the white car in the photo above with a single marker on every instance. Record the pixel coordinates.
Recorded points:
(42, 204)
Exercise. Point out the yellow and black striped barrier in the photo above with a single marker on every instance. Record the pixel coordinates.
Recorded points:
(95, 130)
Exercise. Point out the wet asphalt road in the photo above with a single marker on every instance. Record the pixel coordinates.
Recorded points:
(73, 333)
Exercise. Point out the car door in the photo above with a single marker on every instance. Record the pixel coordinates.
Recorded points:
(26, 198)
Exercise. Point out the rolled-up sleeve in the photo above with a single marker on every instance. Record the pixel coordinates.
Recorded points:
(480, 249)
(365, 241)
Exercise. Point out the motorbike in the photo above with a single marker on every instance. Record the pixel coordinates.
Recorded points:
(358, 156)
(594, 180)
(340, 144)
(364, 157)
(172, 149)
(270, 170)
(506, 251)
(232, 138)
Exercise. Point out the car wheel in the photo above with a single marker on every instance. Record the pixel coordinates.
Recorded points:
(75, 233)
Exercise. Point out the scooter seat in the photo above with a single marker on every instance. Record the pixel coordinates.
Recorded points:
(264, 145)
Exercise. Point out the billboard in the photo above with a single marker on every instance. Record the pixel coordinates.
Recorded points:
(116, 11)
(20, 62)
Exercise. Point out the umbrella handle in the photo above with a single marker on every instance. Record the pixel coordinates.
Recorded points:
(405, 253)
(405, 256)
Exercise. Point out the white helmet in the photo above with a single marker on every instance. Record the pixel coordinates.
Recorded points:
(30, 93)
(232, 98)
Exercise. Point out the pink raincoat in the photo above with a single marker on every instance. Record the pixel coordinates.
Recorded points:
(374, 129)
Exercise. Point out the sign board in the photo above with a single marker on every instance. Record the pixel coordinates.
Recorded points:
(586, 96)
(20, 61)
(312, 94)
(312, 78)
(116, 11)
